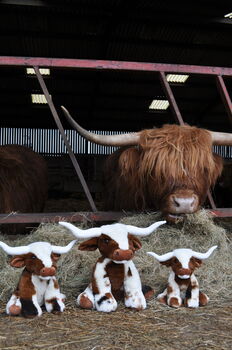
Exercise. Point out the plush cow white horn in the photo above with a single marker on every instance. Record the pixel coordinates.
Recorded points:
(61, 250)
(82, 234)
(203, 256)
(14, 250)
(144, 231)
(161, 258)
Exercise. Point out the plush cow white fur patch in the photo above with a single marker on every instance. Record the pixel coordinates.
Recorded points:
(118, 232)
(43, 252)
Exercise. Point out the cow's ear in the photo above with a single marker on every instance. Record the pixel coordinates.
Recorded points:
(197, 262)
(17, 261)
(91, 244)
(135, 241)
(167, 263)
(55, 257)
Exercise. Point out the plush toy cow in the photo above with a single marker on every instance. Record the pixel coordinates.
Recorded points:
(114, 275)
(37, 285)
(182, 285)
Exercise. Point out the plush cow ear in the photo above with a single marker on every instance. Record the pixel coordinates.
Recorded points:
(197, 262)
(167, 263)
(17, 261)
(55, 257)
(135, 241)
(91, 244)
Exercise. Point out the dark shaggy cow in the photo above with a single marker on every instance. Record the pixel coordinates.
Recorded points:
(23, 183)
(168, 169)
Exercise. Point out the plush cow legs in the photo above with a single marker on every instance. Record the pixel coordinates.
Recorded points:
(13, 306)
(53, 297)
(192, 293)
(134, 297)
(98, 295)
(101, 286)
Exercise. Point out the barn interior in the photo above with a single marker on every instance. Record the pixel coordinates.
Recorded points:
(105, 100)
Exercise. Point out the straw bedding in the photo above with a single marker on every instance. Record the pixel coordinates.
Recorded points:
(198, 232)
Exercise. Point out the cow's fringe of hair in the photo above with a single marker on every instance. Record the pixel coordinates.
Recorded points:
(174, 154)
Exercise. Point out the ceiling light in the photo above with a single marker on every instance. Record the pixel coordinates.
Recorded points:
(177, 78)
(43, 71)
(38, 98)
(229, 15)
(159, 104)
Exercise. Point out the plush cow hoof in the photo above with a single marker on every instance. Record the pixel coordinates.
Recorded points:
(148, 292)
(174, 302)
(203, 299)
(85, 303)
(14, 310)
(163, 300)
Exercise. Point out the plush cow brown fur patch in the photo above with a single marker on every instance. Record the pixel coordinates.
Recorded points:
(116, 275)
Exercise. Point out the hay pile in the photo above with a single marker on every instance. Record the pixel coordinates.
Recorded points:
(198, 232)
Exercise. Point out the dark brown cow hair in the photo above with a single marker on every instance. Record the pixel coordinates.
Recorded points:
(23, 182)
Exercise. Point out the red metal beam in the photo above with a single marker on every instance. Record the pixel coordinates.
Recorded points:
(100, 216)
(113, 65)
(27, 218)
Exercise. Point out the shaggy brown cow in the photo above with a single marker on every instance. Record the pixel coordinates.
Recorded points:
(23, 183)
(168, 169)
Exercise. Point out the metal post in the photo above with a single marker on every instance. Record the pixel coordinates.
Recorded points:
(60, 127)
(225, 96)
(171, 98)
(178, 117)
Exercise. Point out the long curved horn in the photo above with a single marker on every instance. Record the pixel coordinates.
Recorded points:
(61, 250)
(105, 140)
(161, 258)
(221, 138)
(14, 250)
(144, 231)
(203, 256)
(82, 234)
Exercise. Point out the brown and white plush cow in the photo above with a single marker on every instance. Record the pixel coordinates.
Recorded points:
(37, 285)
(183, 287)
(114, 275)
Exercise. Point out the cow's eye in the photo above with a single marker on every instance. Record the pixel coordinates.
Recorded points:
(106, 240)
(33, 257)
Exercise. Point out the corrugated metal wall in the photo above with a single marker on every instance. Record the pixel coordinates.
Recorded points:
(49, 141)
